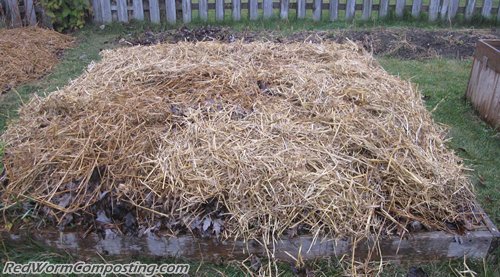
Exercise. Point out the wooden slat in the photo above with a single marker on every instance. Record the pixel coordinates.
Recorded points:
(29, 11)
(236, 10)
(416, 8)
(301, 9)
(154, 11)
(267, 6)
(203, 9)
(106, 11)
(400, 8)
(498, 14)
(367, 9)
(453, 9)
(138, 10)
(317, 10)
(122, 10)
(334, 10)
(186, 11)
(219, 10)
(383, 9)
(284, 5)
(96, 11)
(350, 11)
(171, 11)
(253, 9)
(469, 9)
(486, 10)
(433, 10)
(444, 9)
(14, 14)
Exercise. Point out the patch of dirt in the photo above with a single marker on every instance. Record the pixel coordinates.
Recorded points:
(399, 43)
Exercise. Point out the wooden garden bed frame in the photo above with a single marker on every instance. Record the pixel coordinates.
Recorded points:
(416, 247)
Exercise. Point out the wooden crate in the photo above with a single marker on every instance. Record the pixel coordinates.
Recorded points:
(483, 90)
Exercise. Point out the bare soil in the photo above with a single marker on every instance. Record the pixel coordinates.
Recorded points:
(398, 43)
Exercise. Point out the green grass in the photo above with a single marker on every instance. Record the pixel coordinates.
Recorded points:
(442, 81)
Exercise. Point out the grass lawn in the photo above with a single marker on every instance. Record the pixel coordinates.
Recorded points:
(442, 81)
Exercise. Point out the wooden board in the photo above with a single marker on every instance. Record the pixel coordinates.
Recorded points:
(284, 6)
(171, 11)
(350, 11)
(384, 8)
(122, 10)
(13, 11)
(367, 9)
(400, 8)
(154, 11)
(219, 10)
(186, 11)
(106, 11)
(236, 10)
(469, 9)
(267, 7)
(317, 10)
(138, 10)
(253, 9)
(416, 8)
(29, 11)
(334, 10)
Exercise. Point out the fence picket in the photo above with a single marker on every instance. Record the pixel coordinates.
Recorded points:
(122, 10)
(400, 7)
(301, 9)
(15, 15)
(267, 6)
(383, 9)
(203, 9)
(219, 10)
(106, 11)
(171, 11)
(236, 10)
(96, 11)
(317, 10)
(486, 11)
(29, 11)
(334, 10)
(367, 9)
(138, 10)
(498, 14)
(350, 10)
(154, 11)
(416, 8)
(444, 9)
(186, 11)
(284, 9)
(453, 9)
(469, 9)
(253, 9)
(433, 10)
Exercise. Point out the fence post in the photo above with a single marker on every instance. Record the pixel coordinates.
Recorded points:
(317, 10)
(400, 8)
(433, 10)
(284, 9)
(138, 10)
(106, 11)
(122, 10)
(486, 11)
(236, 10)
(301, 9)
(416, 8)
(350, 10)
(219, 10)
(29, 11)
(367, 9)
(267, 6)
(186, 11)
(253, 9)
(203, 9)
(171, 11)
(334, 10)
(383, 9)
(154, 11)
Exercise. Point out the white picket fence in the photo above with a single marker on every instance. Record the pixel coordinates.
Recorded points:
(173, 11)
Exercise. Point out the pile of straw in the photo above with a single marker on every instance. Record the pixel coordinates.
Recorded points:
(252, 140)
(28, 53)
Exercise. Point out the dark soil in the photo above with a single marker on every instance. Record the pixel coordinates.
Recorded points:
(399, 43)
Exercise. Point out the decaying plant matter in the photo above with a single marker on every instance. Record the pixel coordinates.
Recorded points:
(238, 140)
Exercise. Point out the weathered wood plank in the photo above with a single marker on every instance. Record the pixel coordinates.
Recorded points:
(122, 10)
(469, 9)
(236, 10)
(486, 10)
(186, 11)
(96, 11)
(171, 11)
(444, 9)
(219, 10)
(367, 9)
(253, 9)
(498, 14)
(317, 10)
(453, 9)
(106, 11)
(400, 8)
(433, 10)
(138, 10)
(383, 9)
(154, 11)
(267, 6)
(301, 9)
(350, 10)
(29, 11)
(203, 9)
(416, 8)
(284, 6)
(334, 10)
(14, 14)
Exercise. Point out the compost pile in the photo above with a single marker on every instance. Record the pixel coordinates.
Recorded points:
(28, 53)
(243, 140)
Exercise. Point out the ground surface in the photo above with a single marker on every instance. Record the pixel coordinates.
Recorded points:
(441, 79)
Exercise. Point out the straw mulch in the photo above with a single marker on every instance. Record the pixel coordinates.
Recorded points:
(28, 53)
(238, 140)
